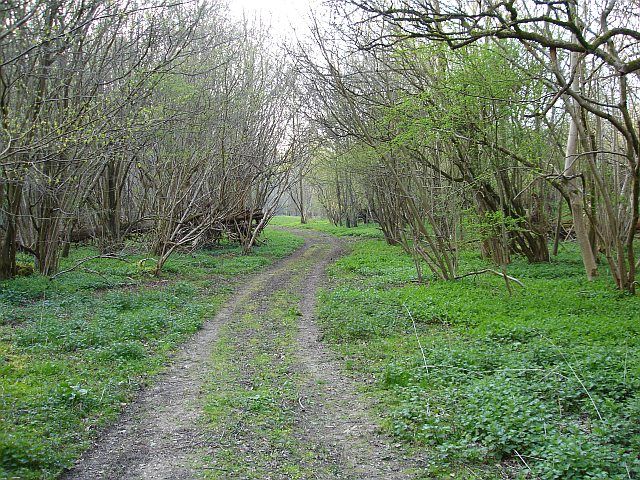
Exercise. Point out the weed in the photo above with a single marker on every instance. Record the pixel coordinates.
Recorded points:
(74, 350)
(365, 230)
(548, 377)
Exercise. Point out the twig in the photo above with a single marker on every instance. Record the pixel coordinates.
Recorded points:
(424, 357)
(523, 461)
(494, 272)
(415, 330)
(593, 402)
(575, 374)
(85, 260)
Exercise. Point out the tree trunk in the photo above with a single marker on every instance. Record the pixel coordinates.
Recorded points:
(111, 225)
(303, 218)
(556, 236)
(576, 197)
(48, 241)
(579, 223)
(8, 237)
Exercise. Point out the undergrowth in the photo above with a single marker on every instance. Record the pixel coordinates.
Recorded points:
(363, 230)
(73, 351)
(544, 383)
(253, 401)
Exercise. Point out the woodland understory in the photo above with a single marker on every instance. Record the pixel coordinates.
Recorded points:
(504, 124)
(492, 141)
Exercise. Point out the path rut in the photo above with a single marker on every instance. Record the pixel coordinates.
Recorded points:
(160, 434)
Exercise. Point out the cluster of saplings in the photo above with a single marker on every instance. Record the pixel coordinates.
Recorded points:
(136, 116)
(508, 125)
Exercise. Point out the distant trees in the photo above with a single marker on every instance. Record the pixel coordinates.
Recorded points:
(131, 116)
(505, 108)
(448, 123)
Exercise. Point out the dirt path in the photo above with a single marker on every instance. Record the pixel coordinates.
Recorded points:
(254, 394)
(335, 412)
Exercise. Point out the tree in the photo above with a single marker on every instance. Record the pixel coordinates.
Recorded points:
(589, 56)
(119, 117)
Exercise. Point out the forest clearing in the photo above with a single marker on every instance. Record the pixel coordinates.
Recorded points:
(319, 239)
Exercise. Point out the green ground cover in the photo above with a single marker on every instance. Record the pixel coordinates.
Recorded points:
(74, 350)
(543, 383)
(363, 230)
(253, 395)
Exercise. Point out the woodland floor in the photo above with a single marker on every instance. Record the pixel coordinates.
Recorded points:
(254, 394)
(319, 356)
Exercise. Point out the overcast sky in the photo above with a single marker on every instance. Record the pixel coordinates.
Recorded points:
(284, 16)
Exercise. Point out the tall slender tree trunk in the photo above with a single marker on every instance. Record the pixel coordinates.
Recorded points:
(556, 237)
(49, 230)
(576, 200)
(303, 216)
(574, 190)
(8, 250)
(111, 235)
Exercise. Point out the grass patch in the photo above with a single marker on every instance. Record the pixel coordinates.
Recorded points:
(252, 406)
(549, 376)
(73, 351)
(364, 230)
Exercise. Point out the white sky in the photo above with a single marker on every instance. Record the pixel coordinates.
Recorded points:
(284, 16)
